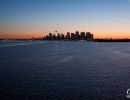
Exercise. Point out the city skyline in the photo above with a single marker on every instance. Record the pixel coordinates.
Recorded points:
(31, 18)
(70, 36)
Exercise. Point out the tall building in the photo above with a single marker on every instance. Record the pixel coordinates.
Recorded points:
(68, 36)
(91, 39)
(62, 36)
(82, 36)
(58, 36)
(54, 37)
(77, 36)
(89, 36)
(50, 36)
(72, 36)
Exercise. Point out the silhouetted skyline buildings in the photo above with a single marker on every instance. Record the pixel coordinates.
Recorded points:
(75, 36)
(70, 36)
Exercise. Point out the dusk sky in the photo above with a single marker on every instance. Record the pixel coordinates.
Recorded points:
(35, 18)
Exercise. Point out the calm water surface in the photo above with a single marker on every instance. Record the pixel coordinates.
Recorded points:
(64, 70)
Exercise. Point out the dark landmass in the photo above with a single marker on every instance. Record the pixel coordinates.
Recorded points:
(111, 40)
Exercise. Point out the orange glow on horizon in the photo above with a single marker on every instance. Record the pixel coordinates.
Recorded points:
(40, 35)
(114, 36)
(21, 36)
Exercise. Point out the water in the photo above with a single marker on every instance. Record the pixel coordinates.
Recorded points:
(64, 70)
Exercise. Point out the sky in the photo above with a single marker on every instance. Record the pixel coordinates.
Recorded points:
(36, 18)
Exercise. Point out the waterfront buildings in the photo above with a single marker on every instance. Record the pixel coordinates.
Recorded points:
(70, 36)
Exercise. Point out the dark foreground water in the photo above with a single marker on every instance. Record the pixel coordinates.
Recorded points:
(64, 71)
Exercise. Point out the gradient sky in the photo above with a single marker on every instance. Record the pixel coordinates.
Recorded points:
(35, 18)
